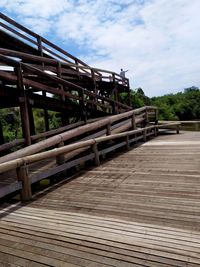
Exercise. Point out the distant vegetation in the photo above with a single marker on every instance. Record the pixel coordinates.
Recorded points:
(181, 106)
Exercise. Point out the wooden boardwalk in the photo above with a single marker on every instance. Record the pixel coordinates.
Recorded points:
(142, 208)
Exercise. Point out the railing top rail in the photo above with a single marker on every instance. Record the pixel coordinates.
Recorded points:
(54, 62)
(38, 37)
(16, 163)
(35, 148)
(25, 66)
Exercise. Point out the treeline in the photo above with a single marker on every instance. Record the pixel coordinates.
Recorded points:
(181, 106)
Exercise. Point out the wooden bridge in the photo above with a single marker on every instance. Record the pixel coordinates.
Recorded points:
(121, 191)
(140, 208)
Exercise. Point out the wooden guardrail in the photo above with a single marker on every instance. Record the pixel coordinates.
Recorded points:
(48, 49)
(112, 128)
(43, 46)
(79, 95)
(135, 117)
(21, 164)
(186, 125)
(60, 67)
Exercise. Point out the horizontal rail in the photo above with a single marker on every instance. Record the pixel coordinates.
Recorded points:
(54, 62)
(19, 29)
(16, 163)
(52, 141)
(58, 80)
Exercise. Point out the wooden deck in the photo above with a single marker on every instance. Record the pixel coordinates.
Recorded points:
(142, 208)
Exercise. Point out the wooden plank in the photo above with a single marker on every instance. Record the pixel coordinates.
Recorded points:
(10, 188)
(63, 167)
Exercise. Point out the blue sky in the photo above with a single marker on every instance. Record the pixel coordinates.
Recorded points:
(156, 40)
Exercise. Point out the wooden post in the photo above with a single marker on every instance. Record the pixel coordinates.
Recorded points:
(46, 115)
(156, 116)
(31, 119)
(177, 129)
(133, 122)
(22, 175)
(108, 132)
(60, 159)
(127, 143)
(1, 134)
(155, 131)
(23, 106)
(77, 68)
(94, 99)
(146, 117)
(40, 49)
(129, 93)
(145, 135)
(96, 154)
(82, 106)
(59, 74)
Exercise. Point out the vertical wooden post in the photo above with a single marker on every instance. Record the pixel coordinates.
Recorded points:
(133, 122)
(129, 95)
(96, 154)
(94, 100)
(31, 119)
(156, 116)
(146, 117)
(22, 175)
(127, 143)
(108, 130)
(145, 135)
(40, 49)
(77, 68)
(177, 129)
(23, 106)
(59, 74)
(114, 111)
(46, 115)
(1, 134)
(82, 106)
(60, 159)
(155, 131)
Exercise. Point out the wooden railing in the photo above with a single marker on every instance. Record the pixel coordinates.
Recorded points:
(42, 45)
(97, 133)
(123, 122)
(82, 92)
(64, 89)
(60, 68)
(49, 50)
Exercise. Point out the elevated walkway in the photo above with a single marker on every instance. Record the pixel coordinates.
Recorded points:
(36, 73)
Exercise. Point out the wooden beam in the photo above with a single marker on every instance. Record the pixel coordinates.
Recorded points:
(1, 134)
(22, 175)
(23, 106)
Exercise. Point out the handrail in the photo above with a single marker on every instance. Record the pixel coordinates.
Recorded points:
(55, 62)
(61, 81)
(39, 41)
(16, 163)
(55, 140)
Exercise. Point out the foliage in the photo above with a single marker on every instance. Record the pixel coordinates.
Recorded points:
(137, 98)
(180, 106)
(11, 123)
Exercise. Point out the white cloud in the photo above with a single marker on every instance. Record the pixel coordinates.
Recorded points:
(157, 40)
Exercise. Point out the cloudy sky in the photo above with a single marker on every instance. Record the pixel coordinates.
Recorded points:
(158, 41)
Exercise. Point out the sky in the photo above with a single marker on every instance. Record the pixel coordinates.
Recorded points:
(157, 41)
